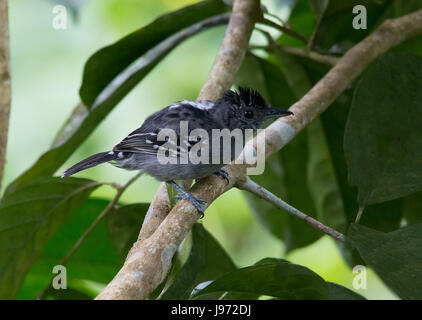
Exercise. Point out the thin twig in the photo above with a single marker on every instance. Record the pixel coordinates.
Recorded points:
(359, 214)
(284, 29)
(251, 186)
(272, 45)
(318, 57)
(120, 189)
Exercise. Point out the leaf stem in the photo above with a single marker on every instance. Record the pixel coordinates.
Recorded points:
(285, 29)
(359, 214)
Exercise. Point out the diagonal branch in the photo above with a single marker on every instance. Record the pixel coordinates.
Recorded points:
(266, 195)
(149, 260)
(4, 84)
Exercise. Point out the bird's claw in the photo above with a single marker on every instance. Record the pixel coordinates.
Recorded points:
(223, 174)
(195, 201)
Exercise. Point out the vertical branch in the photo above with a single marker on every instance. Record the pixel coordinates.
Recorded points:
(232, 50)
(4, 84)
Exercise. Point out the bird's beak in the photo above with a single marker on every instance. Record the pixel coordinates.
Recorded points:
(274, 112)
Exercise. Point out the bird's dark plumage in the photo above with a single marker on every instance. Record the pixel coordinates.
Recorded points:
(245, 109)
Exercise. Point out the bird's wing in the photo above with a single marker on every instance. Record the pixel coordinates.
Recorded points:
(144, 140)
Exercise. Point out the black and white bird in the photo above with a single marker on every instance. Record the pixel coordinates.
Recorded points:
(245, 109)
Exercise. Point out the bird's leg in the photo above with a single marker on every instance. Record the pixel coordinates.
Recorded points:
(223, 174)
(184, 195)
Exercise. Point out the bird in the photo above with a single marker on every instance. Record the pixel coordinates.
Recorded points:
(241, 110)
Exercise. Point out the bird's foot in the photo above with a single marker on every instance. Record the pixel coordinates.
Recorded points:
(197, 202)
(223, 174)
(184, 195)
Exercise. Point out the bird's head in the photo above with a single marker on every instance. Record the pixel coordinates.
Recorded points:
(248, 108)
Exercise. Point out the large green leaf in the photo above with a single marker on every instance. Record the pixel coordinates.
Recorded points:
(109, 78)
(207, 261)
(396, 256)
(338, 292)
(383, 136)
(384, 217)
(29, 217)
(123, 225)
(301, 20)
(412, 207)
(336, 30)
(94, 261)
(272, 277)
(102, 67)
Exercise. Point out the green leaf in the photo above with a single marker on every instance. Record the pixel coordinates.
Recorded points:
(396, 256)
(318, 7)
(275, 278)
(123, 225)
(383, 136)
(413, 208)
(29, 217)
(94, 261)
(336, 30)
(207, 261)
(67, 294)
(105, 77)
(338, 292)
(102, 67)
(267, 78)
(322, 180)
(301, 20)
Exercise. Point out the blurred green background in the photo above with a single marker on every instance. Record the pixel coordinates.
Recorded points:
(47, 67)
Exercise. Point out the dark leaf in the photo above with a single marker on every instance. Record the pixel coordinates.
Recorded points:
(275, 278)
(336, 30)
(123, 225)
(383, 136)
(207, 261)
(107, 63)
(29, 217)
(396, 256)
(67, 294)
(413, 208)
(94, 261)
(338, 292)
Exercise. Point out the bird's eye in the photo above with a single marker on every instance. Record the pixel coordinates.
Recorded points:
(248, 114)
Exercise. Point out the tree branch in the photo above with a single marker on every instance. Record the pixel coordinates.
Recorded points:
(149, 260)
(4, 84)
(263, 193)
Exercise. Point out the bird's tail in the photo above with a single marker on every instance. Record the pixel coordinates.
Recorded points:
(90, 162)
